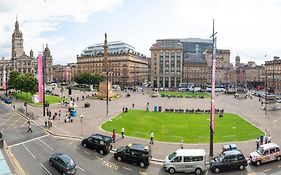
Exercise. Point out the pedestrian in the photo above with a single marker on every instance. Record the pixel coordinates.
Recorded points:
(29, 127)
(265, 139)
(59, 114)
(221, 113)
(258, 142)
(122, 132)
(269, 139)
(113, 135)
(261, 140)
(151, 137)
(133, 105)
(181, 143)
(46, 121)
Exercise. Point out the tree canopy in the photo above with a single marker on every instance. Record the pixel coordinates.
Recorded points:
(87, 78)
(23, 82)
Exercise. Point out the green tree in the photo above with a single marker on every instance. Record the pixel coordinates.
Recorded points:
(87, 78)
(26, 83)
(12, 83)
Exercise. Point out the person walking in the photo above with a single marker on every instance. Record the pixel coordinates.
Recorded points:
(258, 142)
(113, 136)
(59, 114)
(181, 143)
(29, 127)
(261, 140)
(269, 139)
(151, 137)
(122, 132)
(133, 105)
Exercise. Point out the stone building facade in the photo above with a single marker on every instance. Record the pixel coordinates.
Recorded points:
(222, 66)
(24, 63)
(64, 73)
(125, 65)
(273, 73)
(166, 63)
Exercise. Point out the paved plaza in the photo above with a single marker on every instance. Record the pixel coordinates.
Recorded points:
(94, 116)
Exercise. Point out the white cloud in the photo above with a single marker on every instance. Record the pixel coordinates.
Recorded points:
(37, 17)
(249, 27)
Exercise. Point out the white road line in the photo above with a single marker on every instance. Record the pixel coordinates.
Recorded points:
(266, 170)
(46, 144)
(129, 169)
(29, 151)
(80, 168)
(70, 143)
(14, 122)
(7, 120)
(279, 166)
(87, 152)
(46, 169)
(28, 141)
(98, 158)
(143, 173)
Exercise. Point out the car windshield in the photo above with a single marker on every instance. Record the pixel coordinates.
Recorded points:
(220, 157)
(121, 149)
(260, 150)
(172, 156)
(71, 163)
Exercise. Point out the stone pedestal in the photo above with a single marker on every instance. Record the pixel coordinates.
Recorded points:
(103, 90)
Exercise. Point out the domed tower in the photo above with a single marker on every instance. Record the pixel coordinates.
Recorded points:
(237, 61)
(48, 65)
(17, 41)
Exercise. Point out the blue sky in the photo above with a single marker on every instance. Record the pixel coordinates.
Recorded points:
(249, 29)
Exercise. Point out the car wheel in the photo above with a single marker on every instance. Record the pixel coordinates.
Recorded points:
(172, 170)
(198, 171)
(142, 164)
(241, 167)
(258, 163)
(278, 158)
(51, 163)
(119, 159)
(217, 170)
(101, 152)
(84, 145)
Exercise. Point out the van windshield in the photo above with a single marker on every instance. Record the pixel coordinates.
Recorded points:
(260, 151)
(172, 156)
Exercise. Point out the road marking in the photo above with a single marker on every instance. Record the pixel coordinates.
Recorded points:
(129, 169)
(266, 170)
(111, 165)
(143, 173)
(46, 144)
(87, 152)
(46, 169)
(28, 141)
(80, 168)
(279, 166)
(98, 158)
(70, 143)
(29, 151)
(7, 120)
(77, 147)
(14, 122)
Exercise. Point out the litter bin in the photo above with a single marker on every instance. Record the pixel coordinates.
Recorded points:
(159, 108)
(73, 113)
(155, 108)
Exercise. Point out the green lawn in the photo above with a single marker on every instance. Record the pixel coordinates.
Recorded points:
(172, 127)
(184, 94)
(50, 98)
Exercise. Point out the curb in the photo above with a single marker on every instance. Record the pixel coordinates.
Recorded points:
(12, 159)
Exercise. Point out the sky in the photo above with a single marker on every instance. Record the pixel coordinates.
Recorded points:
(250, 29)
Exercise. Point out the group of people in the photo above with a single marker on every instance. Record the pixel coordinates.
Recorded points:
(263, 140)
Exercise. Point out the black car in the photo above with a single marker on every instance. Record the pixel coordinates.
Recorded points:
(63, 163)
(228, 160)
(101, 143)
(134, 153)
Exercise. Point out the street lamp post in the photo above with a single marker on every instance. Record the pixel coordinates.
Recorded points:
(81, 121)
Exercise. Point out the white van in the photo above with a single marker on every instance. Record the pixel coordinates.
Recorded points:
(186, 160)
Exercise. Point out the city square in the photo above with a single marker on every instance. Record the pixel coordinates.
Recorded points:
(121, 87)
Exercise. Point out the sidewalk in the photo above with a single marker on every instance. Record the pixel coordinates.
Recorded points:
(93, 117)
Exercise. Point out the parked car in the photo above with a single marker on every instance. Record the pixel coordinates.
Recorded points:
(7, 100)
(228, 160)
(186, 160)
(266, 153)
(278, 100)
(134, 153)
(63, 163)
(101, 143)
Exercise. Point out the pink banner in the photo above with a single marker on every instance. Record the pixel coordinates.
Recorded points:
(213, 89)
(4, 83)
(40, 78)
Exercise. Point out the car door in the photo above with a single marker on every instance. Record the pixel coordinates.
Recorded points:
(61, 165)
(272, 154)
(90, 143)
(126, 155)
(233, 163)
(225, 163)
(178, 163)
(188, 164)
(265, 157)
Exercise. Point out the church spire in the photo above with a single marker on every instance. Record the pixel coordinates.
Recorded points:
(17, 27)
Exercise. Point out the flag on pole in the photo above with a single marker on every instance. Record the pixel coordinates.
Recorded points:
(4, 83)
(40, 78)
